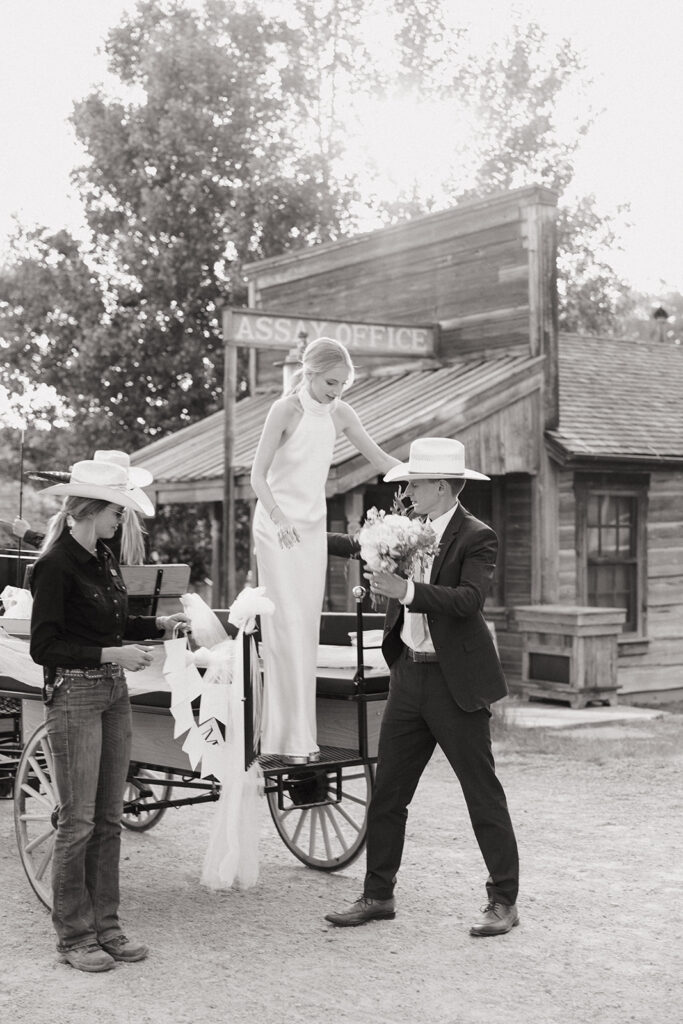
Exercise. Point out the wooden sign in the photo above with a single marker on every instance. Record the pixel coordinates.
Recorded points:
(255, 329)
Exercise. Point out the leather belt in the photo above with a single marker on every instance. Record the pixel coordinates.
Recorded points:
(107, 671)
(426, 656)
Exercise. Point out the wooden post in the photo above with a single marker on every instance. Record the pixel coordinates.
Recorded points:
(216, 554)
(545, 531)
(229, 386)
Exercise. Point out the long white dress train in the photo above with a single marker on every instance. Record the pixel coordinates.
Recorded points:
(294, 579)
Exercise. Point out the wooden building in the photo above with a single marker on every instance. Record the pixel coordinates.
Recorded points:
(534, 411)
(615, 496)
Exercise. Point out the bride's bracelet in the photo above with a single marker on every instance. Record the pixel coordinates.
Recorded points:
(271, 512)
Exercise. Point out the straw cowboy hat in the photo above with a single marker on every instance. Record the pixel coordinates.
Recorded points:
(108, 480)
(137, 476)
(434, 458)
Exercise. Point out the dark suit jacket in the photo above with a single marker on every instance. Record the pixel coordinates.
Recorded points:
(453, 602)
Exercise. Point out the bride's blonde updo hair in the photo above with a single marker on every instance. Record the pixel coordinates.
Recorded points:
(321, 355)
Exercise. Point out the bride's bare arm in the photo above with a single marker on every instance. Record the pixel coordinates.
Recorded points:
(359, 437)
(279, 418)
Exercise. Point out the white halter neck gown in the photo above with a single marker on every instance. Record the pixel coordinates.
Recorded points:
(294, 579)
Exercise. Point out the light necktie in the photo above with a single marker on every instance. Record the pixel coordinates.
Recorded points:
(418, 622)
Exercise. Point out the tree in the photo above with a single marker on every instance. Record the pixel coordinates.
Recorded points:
(50, 308)
(593, 298)
(639, 320)
(197, 174)
(509, 99)
(225, 145)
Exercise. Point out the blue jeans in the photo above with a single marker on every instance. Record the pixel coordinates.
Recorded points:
(89, 725)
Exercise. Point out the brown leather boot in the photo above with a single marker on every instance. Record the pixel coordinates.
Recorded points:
(90, 958)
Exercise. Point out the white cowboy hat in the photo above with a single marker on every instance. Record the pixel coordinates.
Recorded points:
(434, 458)
(137, 476)
(105, 481)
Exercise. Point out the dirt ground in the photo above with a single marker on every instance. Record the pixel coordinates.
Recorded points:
(598, 813)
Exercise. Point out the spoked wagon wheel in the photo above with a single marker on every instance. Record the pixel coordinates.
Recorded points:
(144, 786)
(324, 835)
(35, 813)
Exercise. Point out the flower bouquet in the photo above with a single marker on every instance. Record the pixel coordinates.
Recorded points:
(394, 542)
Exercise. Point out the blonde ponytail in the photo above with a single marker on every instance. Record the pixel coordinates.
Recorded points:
(73, 507)
(55, 528)
(132, 539)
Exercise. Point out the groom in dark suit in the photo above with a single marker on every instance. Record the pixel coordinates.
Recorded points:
(445, 673)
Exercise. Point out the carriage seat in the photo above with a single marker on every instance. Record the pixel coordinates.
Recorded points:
(335, 629)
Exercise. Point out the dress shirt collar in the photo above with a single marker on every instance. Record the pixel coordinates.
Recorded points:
(441, 522)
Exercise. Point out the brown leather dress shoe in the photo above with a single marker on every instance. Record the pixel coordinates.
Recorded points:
(496, 919)
(363, 910)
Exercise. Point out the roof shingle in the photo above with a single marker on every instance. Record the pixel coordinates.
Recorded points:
(620, 399)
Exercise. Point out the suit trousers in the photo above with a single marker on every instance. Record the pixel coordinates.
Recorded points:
(420, 713)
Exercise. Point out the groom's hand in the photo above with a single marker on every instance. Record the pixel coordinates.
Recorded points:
(388, 584)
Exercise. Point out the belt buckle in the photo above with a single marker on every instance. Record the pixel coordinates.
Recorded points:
(422, 657)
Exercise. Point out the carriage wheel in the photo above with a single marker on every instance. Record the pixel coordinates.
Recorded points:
(325, 836)
(35, 813)
(143, 780)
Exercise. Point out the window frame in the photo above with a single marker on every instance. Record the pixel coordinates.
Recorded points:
(635, 486)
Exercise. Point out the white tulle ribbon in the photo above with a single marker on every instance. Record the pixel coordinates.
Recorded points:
(215, 739)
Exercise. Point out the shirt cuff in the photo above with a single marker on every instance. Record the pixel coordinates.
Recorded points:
(409, 594)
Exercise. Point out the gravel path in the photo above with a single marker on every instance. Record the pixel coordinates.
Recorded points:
(598, 816)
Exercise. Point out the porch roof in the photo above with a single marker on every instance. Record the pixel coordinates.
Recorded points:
(620, 400)
(472, 399)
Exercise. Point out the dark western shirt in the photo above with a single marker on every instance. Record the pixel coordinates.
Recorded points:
(36, 539)
(80, 605)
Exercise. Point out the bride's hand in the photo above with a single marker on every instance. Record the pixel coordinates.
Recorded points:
(287, 535)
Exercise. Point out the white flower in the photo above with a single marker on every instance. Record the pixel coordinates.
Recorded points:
(394, 542)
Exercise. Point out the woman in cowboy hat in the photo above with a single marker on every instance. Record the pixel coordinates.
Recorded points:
(79, 623)
(128, 543)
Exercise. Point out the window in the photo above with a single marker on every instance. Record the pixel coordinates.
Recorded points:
(611, 546)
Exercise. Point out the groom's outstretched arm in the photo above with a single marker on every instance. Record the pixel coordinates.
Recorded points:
(343, 545)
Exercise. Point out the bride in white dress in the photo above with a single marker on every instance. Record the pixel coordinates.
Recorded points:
(290, 470)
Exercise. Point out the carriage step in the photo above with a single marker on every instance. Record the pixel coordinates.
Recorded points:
(329, 756)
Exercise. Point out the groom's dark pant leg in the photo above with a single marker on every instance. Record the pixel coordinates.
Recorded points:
(405, 746)
(421, 712)
(465, 738)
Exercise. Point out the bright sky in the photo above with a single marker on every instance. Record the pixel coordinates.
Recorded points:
(634, 154)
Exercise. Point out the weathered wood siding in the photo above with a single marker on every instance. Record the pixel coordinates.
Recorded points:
(515, 567)
(659, 668)
(567, 539)
(469, 268)
(655, 665)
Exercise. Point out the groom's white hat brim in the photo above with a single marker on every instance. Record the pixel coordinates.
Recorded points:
(434, 458)
(103, 481)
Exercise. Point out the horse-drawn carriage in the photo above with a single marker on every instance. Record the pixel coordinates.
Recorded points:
(318, 809)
